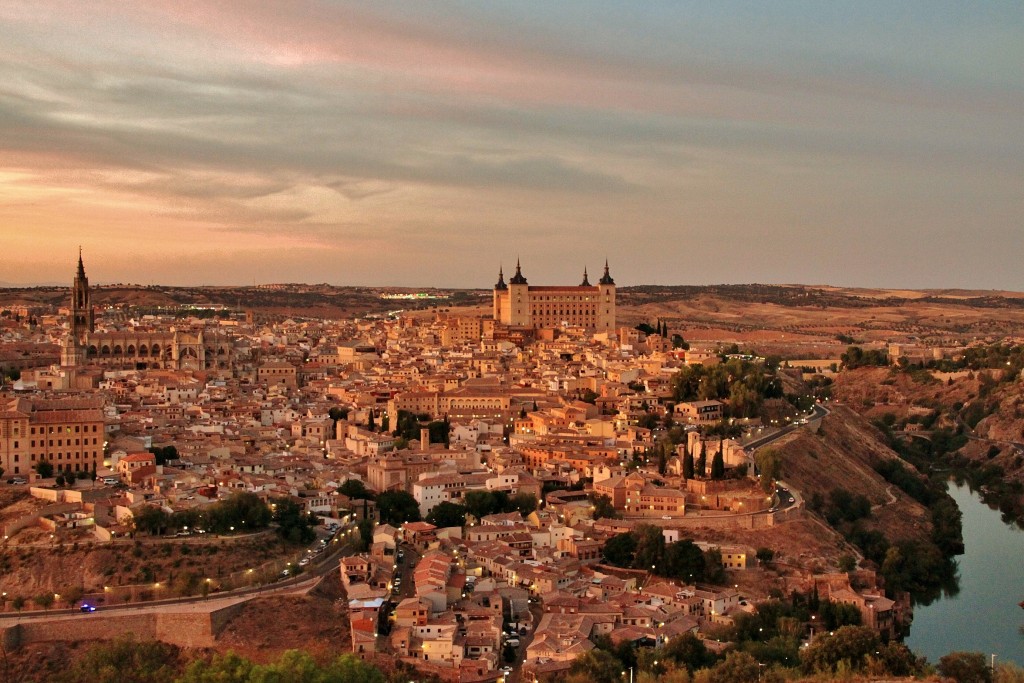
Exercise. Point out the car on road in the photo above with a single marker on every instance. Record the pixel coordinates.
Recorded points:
(507, 669)
(86, 608)
(514, 642)
(792, 499)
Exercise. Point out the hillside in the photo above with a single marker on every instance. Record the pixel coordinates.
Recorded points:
(316, 623)
(843, 454)
(985, 407)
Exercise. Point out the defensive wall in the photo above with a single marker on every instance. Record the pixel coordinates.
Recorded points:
(183, 628)
(753, 520)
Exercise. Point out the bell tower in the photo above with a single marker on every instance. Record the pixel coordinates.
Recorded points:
(83, 318)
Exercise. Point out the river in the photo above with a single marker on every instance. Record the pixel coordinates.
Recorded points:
(984, 616)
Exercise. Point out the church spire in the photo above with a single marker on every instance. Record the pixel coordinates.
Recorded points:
(586, 280)
(501, 279)
(83, 318)
(606, 279)
(518, 278)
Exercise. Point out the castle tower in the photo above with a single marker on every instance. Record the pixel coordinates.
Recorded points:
(519, 299)
(83, 318)
(500, 291)
(606, 305)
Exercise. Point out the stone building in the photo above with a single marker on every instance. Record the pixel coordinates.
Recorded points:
(137, 350)
(591, 307)
(68, 433)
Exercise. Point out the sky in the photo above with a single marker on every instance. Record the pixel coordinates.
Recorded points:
(866, 143)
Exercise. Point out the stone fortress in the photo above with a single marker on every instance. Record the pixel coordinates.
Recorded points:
(592, 307)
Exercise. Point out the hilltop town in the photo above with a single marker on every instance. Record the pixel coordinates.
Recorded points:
(498, 490)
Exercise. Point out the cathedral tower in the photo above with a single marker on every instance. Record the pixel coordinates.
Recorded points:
(83, 320)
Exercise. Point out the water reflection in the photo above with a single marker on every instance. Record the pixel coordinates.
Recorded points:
(977, 610)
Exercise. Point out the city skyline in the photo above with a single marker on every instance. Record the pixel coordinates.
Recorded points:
(429, 144)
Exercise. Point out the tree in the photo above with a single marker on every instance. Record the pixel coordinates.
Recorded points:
(603, 508)
(365, 527)
(689, 651)
(702, 461)
(620, 550)
(439, 431)
(851, 644)
(714, 572)
(650, 547)
(769, 465)
(765, 555)
(718, 465)
(479, 503)
(965, 667)
(353, 488)
(447, 515)
(524, 503)
(72, 594)
(597, 666)
(398, 507)
(59, 481)
(688, 468)
(737, 667)
(338, 414)
(127, 660)
(684, 560)
(1, 472)
(163, 454)
(44, 469)
(293, 525)
(371, 424)
(152, 520)
(663, 451)
(44, 600)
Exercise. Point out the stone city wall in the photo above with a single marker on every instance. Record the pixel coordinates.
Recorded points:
(185, 629)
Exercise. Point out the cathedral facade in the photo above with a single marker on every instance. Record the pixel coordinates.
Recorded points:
(137, 350)
(591, 307)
